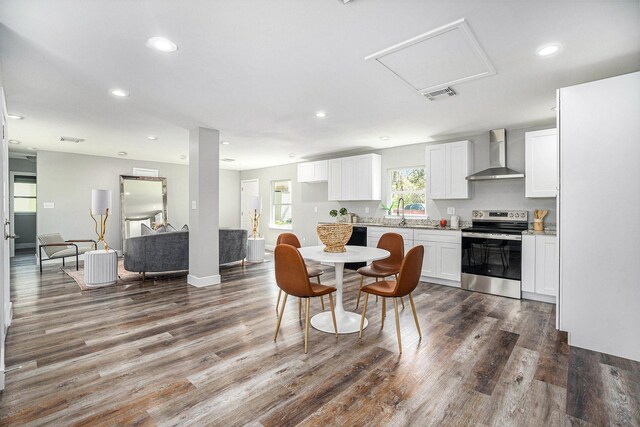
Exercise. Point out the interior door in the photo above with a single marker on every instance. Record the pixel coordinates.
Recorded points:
(249, 189)
(5, 304)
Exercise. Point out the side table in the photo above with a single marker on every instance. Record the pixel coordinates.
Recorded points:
(255, 249)
(100, 268)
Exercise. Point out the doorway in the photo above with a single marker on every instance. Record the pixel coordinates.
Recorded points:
(249, 189)
(23, 211)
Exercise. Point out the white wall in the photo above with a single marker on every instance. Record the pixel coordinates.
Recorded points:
(501, 194)
(600, 166)
(67, 180)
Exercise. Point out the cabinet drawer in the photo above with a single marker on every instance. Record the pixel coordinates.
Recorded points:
(438, 236)
(377, 232)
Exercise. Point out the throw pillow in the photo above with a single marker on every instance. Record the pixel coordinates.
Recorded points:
(169, 228)
(185, 228)
(146, 230)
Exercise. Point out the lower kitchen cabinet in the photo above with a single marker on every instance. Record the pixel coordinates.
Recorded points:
(539, 267)
(442, 254)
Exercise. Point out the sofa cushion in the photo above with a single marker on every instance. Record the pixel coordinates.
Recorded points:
(145, 230)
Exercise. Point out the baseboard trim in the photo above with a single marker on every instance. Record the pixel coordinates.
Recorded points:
(438, 281)
(201, 282)
(25, 245)
(538, 297)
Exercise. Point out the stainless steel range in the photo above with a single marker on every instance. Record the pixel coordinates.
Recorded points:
(492, 252)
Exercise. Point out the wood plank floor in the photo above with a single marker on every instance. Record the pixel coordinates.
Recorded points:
(165, 353)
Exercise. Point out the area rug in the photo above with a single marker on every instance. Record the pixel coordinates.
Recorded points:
(124, 277)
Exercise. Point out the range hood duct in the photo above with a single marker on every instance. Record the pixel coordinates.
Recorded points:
(497, 159)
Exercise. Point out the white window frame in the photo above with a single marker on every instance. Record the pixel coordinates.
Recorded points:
(272, 206)
(390, 191)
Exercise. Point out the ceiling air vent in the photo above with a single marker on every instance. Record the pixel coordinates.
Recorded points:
(70, 139)
(447, 91)
(226, 159)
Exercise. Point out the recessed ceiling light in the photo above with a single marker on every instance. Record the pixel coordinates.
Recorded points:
(292, 155)
(127, 193)
(120, 93)
(183, 157)
(321, 114)
(225, 143)
(14, 141)
(161, 44)
(32, 149)
(122, 153)
(15, 116)
(548, 49)
(385, 138)
(152, 138)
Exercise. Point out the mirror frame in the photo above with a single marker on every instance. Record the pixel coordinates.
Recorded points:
(124, 178)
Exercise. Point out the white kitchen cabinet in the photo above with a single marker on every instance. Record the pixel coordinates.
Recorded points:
(541, 163)
(539, 266)
(374, 234)
(355, 178)
(442, 253)
(313, 171)
(335, 179)
(447, 168)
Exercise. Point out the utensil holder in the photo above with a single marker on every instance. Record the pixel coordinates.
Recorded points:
(538, 225)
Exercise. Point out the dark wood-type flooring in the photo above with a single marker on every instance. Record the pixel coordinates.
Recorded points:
(165, 353)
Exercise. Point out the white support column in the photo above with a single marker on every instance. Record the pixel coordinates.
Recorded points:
(204, 181)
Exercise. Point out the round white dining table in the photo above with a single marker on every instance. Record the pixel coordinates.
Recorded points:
(348, 322)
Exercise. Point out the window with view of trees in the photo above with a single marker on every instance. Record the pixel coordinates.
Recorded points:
(410, 184)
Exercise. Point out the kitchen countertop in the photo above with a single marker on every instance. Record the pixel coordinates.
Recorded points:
(412, 226)
(541, 233)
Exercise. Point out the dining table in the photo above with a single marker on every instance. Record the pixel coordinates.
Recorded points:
(348, 322)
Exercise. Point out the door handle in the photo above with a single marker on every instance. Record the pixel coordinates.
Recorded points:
(7, 233)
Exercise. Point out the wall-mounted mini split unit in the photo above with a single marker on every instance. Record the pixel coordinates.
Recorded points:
(434, 61)
(70, 139)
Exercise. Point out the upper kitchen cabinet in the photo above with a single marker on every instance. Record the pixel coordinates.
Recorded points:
(355, 178)
(541, 158)
(313, 171)
(447, 168)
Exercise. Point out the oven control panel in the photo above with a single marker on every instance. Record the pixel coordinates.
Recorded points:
(499, 215)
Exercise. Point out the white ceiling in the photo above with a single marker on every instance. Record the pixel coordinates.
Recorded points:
(259, 70)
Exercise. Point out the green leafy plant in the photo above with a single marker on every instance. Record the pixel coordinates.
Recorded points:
(343, 211)
(333, 213)
(387, 208)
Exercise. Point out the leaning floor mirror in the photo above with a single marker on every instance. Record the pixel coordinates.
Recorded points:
(143, 200)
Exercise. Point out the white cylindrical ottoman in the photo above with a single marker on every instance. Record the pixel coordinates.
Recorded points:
(255, 249)
(100, 268)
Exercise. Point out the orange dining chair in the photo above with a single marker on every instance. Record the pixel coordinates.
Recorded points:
(292, 278)
(292, 239)
(406, 283)
(394, 243)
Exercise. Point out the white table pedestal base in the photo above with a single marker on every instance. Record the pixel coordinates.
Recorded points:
(348, 322)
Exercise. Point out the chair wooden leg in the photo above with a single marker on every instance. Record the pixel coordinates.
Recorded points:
(321, 297)
(299, 308)
(278, 301)
(395, 307)
(284, 302)
(359, 291)
(364, 311)
(415, 315)
(333, 315)
(306, 328)
(376, 295)
(384, 310)
(402, 301)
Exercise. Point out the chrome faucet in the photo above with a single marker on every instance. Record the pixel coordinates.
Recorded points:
(401, 203)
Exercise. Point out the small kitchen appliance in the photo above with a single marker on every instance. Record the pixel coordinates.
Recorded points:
(455, 221)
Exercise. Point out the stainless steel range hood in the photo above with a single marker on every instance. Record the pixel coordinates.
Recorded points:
(497, 159)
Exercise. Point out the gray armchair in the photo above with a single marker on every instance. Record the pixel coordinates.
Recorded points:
(55, 247)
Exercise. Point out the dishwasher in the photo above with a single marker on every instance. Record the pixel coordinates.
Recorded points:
(358, 238)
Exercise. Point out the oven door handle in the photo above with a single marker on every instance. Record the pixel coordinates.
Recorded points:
(493, 236)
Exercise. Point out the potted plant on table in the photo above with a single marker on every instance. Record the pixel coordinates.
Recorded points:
(335, 236)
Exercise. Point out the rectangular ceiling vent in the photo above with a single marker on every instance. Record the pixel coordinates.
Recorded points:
(447, 91)
(70, 139)
(228, 160)
(445, 56)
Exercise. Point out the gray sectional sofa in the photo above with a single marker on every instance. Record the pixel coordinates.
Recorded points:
(170, 251)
